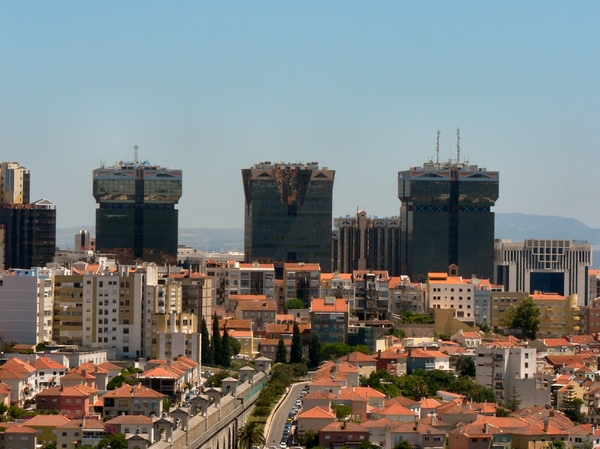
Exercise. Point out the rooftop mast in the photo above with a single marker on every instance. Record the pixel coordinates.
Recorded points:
(135, 157)
(458, 145)
(437, 149)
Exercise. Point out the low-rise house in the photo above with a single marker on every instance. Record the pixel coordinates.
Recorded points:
(132, 400)
(363, 362)
(73, 378)
(377, 429)
(164, 379)
(259, 312)
(80, 432)
(132, 424)
(463, 411)
(315, 419)
(355, 401)
(426, 360)
(76, 401)
(340, 434)
(395, 412)
(20, 437)
(392, 357)
(48, 371)
(553, 346)
(5, 395)
(413, 406)
(22, 378)
(45, 425)
(316, 399)
(469, 340)
(417, 434)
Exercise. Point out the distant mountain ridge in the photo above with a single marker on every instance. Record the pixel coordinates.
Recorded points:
(516, 227)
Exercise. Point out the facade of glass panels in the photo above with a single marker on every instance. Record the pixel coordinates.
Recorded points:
(136, 218)
(288, 214)
(446, 219)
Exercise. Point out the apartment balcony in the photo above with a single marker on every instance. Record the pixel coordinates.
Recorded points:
(576, 318)
(575, 309)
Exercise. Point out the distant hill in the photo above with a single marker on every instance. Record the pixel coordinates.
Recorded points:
(516, 227)
(519, 227)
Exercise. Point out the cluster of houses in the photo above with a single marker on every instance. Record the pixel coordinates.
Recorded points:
(85, 411)
(540, 376)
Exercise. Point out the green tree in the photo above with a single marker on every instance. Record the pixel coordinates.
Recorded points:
(295, 304)
(249, 435)
(296, 350)
(526, 317)
(217, 341)
(465, 366)
(235, 346)
(114, 441)
(341, 410)
(403, 444)
(314, 350)
(368, 445)
(225, 355)
(557, 444)
(572, 409)
(502, 412)
(587, 444)
(281, 354)
(3, 408)
(513, 403)
(308, 438)
(206, 349)
(261, 412)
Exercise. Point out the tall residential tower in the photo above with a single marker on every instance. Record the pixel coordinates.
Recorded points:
(288, 213)
(136, 217)
(447, 219)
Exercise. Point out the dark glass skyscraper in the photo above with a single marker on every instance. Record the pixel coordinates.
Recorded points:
(136, 218)
(288, 213)
(27, 230)
(447, 219)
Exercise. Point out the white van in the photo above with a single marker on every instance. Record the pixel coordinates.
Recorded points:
(243, 357)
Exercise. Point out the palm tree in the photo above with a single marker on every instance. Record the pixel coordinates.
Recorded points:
(251, 435)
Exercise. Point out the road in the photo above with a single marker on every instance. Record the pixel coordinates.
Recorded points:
(278, 420)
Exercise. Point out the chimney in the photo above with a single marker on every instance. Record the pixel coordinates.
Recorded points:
(416, 426)
(433, 420)
(486, 428)
(379, 354)
(464, 405)
(545, 424)
(84, 373)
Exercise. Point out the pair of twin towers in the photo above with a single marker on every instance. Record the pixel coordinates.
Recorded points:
(445, 218)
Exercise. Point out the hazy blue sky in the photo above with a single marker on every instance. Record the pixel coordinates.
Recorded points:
(360, 87)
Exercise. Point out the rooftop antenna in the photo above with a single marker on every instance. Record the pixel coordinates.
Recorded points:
(437, 149)
(135, 157)
(458, 145)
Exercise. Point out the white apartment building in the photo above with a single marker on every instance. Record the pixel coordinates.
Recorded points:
(451, 292)
(511, 372)
(26, 303)
(545, 265)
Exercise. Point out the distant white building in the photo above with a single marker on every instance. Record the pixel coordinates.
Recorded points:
(26, 302)
(544, 265)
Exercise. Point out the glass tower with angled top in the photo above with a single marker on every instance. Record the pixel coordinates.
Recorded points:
(136, 218)
(447, 219)
(288, 213)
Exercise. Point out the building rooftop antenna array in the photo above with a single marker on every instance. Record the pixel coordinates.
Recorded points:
(135, 154)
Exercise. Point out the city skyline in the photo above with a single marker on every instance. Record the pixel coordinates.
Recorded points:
(360, 88)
